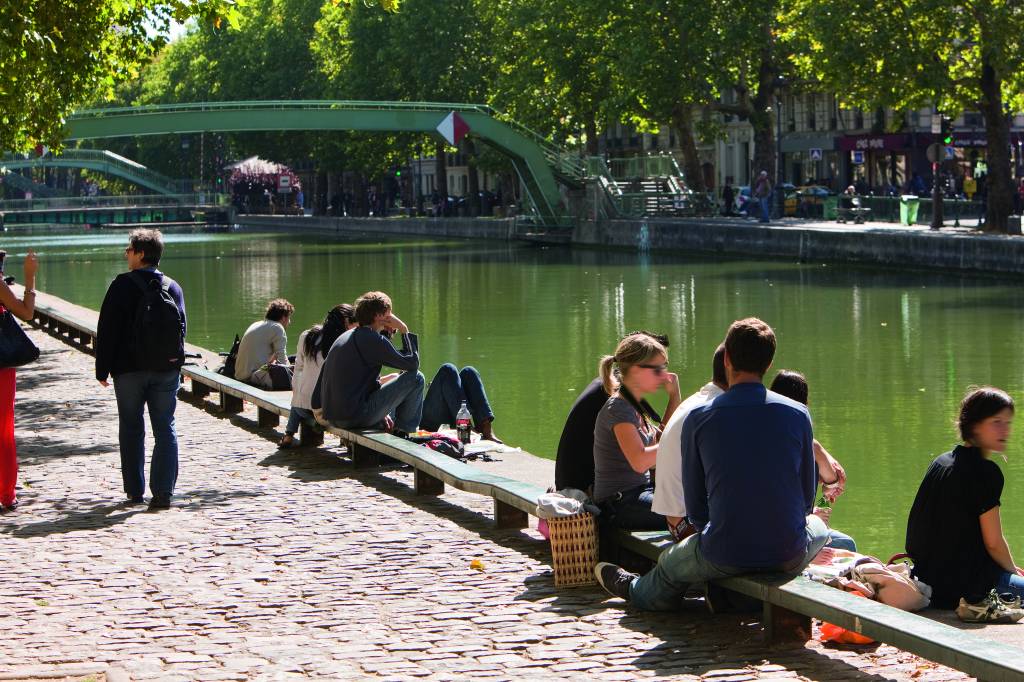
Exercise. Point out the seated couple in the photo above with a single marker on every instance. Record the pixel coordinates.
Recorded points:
(353, 395)
(748, 483)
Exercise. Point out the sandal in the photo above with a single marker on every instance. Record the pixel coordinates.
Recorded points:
(287, 442)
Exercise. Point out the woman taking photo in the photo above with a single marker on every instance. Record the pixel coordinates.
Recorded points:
(23, 308)
(954, 533)
(314, 344)
(625, 439)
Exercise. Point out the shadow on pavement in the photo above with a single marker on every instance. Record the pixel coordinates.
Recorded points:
(106, 514)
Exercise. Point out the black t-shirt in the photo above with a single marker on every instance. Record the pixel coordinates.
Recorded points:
(944, 533)
(574, 463)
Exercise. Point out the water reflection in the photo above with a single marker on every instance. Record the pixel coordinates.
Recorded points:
(888, 353)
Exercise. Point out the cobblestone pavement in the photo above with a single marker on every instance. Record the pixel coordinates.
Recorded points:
(279, 565)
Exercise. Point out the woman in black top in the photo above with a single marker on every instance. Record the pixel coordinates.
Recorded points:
(954, 533)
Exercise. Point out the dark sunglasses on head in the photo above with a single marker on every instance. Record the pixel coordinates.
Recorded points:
(658, 369)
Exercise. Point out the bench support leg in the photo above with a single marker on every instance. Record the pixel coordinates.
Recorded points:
(310, 437)
(230, 404)
(363, 457)
(265, 417)
(782, 625)
(200, 391)
(507, 516)
(425, 484)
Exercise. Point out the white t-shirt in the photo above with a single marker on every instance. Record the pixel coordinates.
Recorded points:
(668, 484)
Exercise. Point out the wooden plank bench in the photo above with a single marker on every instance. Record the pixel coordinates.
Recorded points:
(514, 500)
(790, 602)
(69, 329)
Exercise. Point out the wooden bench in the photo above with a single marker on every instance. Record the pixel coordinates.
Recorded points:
(790, 602)
(514, 500)
(69, 329)
(851, 208)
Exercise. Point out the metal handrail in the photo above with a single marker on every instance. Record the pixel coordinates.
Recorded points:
(130, 201)
(131, 168)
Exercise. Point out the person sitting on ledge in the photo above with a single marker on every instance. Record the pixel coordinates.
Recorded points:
(574, 459)
(350, 390)
(954, 532)
(831, 474)
(314, 344)
(748, 479)
(449, 388)
(625, 439)
(265, 342)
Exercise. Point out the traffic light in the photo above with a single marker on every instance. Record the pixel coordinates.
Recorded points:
(398, 173)
(947, 131)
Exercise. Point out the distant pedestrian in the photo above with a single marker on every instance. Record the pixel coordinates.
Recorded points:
(728, 197)
(24, 309)
(140, 342)
(763, 194)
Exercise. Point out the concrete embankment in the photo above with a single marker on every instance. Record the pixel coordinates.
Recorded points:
(882, 244)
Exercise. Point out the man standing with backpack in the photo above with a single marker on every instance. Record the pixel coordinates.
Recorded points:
(140, 342)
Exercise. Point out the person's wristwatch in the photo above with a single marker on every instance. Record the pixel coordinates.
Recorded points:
(682, 530)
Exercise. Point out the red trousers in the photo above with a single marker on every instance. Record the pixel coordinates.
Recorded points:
(8, 455)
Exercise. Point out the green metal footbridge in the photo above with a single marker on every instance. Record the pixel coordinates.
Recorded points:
(98, 160)
(540, 164)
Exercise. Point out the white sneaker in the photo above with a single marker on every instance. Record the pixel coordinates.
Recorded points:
(991, 609)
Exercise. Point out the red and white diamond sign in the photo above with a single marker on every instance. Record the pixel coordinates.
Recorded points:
(453, 128)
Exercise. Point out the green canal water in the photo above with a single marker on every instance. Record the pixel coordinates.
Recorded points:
(888, 353)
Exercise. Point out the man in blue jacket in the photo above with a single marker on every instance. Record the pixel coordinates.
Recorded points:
(140, 379)
(350, 391)
(748, 483)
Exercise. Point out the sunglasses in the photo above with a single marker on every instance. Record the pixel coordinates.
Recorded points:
(657, 369)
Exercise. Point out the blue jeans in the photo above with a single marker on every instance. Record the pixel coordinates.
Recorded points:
(296, 416)
(158, 391)
(447, 390)
(402, 397)
(631, 510)
(840, 540)
(1012, 583)
(683, 563)
(765, 208)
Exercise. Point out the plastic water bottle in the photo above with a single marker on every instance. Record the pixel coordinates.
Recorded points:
(463, 423)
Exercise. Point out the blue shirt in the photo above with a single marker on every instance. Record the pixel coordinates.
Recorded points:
(749, 477)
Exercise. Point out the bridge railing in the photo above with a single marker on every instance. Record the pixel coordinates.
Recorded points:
(105, 160)
(129, 201)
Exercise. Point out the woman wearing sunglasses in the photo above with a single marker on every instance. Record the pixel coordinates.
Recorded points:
(625, 437)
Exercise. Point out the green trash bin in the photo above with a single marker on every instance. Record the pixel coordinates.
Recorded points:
(830, 207)
(909, 204)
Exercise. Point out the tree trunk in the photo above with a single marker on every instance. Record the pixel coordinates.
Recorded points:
(590, 129)
(474, 182)
(998, 188)
(441, 170)
(683, 122)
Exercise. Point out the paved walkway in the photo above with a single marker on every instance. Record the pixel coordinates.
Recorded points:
(280, 565)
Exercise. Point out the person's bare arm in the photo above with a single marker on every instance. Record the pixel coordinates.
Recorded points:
(25, 307)
(640, 458)
(995, 541)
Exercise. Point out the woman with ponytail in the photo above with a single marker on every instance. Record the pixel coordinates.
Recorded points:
(314, 344)
(625, 437)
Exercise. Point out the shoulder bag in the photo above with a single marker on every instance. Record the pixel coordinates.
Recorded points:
(16, 349)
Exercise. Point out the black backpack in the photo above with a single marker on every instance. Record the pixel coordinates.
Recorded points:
(157, 339)
(228, 368)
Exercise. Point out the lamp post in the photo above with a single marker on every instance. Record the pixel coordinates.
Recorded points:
(779, 192)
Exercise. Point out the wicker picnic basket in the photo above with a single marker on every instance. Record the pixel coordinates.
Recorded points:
(574, 549)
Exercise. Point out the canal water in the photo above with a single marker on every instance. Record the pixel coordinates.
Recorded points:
(888, 353)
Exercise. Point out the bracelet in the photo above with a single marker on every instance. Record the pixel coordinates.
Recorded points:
(29, 291)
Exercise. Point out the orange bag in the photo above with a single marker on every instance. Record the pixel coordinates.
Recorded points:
(834, 633)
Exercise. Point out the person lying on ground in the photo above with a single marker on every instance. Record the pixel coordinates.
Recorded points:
(574, 460)
(954, 531)
(265, 342)
(449, 388)
(314, 344)
(748, 481)
(349, 389)
(831, 474)
(625, 439)
(668, 485)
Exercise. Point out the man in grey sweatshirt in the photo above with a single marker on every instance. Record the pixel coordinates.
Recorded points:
(350, 390)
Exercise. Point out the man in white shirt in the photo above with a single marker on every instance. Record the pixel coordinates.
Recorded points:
(265, 342)
(668, 486)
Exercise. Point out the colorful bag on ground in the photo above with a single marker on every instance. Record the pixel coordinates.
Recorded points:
(16, 349)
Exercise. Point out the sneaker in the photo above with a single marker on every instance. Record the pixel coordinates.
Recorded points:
(160, 501)
(991, 609)
(614, 579)
(134, 499)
